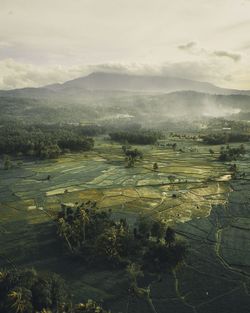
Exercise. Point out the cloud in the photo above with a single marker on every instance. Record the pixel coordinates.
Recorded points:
(234, 56)
(193, 48)
(215, 70)
(187, 46)
(15, 74)
(4, 44)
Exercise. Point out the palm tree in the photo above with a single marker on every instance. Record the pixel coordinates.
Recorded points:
(46, 311)
(107, 243)
(20, 300)
(158, 229)
(84, 218)
(63, 230)
(134, 271)
(3, 275)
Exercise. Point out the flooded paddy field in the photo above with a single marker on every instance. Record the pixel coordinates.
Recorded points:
(191, 190)
(181, 181)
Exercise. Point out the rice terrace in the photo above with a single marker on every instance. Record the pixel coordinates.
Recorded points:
(182, 191)
(124, 156)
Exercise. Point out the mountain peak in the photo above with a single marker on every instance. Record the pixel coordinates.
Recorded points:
(126, 82)
(113, 81)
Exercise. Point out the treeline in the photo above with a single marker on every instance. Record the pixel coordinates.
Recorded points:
(231, 154)
(224, 138)
(28, 291)
(43, 141)
(141, 137)
(183, 136)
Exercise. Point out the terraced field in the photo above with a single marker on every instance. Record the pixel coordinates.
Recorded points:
(182, 191)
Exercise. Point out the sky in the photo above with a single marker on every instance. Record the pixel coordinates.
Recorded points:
(48, 41)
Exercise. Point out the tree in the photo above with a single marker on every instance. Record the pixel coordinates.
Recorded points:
(50, 151)
(84, 219)
(178, 253)
(64, 230)
(242, 149)
(158, 229)
(20, 300)
(132, 156)
(76, 224)
(231, 154)
(94, 235)
(89, 307)
(113, 243)
(169, 236)
(7, 164)
(171, 178)
(43, 141)
(155, 167)
(144, 226)
(27, 291)
(130, 161)
(134, 272)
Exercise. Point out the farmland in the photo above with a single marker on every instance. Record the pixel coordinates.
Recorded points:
(190, 191)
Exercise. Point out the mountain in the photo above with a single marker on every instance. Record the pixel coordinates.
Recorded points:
(139, 83)
(114, 82)
(101, 97)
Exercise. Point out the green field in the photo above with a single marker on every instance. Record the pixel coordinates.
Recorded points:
(207, 209)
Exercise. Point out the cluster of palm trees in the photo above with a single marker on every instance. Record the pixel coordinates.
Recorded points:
(149, 245)
(27, 291)
(95, 235)
(80, 225)
(88, 231)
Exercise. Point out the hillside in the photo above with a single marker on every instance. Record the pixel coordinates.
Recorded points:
(101, 97)
(106, 106)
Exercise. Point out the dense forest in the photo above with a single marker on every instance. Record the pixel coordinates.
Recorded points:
(44, 141)
(224, 138)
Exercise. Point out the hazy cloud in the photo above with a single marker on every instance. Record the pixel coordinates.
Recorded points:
(187, 46)
(19, 75)
(15, 74)
(234, 56)
(193, 48)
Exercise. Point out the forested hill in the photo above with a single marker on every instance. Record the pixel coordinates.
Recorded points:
(104, 96)
(101, 106)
